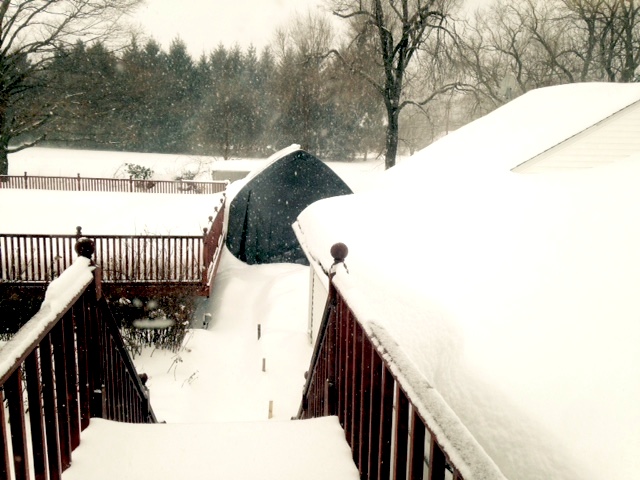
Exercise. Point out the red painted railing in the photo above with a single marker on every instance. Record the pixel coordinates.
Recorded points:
(352, 376)
(123, 258)
(87, 184)
(66, 365)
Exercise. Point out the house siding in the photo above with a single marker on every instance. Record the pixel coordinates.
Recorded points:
(613, 139)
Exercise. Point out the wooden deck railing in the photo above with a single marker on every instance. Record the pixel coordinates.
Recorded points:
(185, 259)
(351, 376)
(66, 365)
(87, 184)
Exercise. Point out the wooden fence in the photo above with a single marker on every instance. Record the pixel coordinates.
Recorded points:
(351, 378)
(57, 372)
(184, 259)
(86, 184)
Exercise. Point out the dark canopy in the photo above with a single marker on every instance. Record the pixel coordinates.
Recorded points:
(261, 214)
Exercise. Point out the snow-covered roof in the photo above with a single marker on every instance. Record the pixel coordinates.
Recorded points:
(513, 295)
(540, 121)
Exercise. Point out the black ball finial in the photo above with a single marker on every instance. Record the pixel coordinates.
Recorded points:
(85, 247)
(339, 252)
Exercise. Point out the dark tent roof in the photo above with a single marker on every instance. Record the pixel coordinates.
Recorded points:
(261, 214)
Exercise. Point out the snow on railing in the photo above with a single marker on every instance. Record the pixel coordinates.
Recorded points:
(87, 184)
(66, 365)
(395, 423)
(213, 243)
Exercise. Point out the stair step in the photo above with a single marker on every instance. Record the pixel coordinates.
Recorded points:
(313, 449)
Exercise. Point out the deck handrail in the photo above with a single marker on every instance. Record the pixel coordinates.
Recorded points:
(185, 259)
(390, 424)
(66, 365)
(98, 184)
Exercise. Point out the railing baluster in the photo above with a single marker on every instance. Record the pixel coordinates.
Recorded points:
(401, 434)
(50, 416)
(376, 414)
(416, 448)
(438, 461)
(365, 406)
(71, 369)
(355, 374)
(36, 415)
(5, 469)
(62, 395)
(17, 424)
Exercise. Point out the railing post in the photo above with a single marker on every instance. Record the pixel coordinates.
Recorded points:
(92, 335)
(78, 183)
(26, 186)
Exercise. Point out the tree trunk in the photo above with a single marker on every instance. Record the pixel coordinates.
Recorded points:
(392, 137)
(4, 162)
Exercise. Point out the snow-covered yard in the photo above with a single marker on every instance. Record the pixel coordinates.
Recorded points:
(218, 374)
(223, 373)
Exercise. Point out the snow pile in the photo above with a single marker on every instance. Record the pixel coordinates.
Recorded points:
(514, 296)
(309, 449)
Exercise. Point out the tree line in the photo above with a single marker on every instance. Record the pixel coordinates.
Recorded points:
(230, 103)
(398, 75)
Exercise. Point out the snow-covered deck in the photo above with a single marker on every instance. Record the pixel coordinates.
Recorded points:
(278, 450)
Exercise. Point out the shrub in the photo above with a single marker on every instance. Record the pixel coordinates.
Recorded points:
(138, 172)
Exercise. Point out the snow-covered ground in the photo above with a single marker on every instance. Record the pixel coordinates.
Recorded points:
(218, 375)
(63, 162)
(224, 373)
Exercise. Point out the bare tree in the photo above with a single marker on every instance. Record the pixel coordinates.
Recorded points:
(31, 31)
(301, 85)
(514, 46)
(610, 35)
(399, 29)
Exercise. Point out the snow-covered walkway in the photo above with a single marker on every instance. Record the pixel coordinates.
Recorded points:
(218, 374)
(215, 396)
(278, 450)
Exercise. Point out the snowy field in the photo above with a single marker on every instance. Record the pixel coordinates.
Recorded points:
(68, 163)
(104, 213)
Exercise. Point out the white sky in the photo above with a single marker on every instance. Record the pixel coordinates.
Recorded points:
(204, 24)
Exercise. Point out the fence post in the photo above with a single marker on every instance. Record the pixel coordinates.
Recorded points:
(26, 185)
(78, 183)
(206, 258)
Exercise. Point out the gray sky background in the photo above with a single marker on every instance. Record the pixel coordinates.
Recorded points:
(204, 24)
